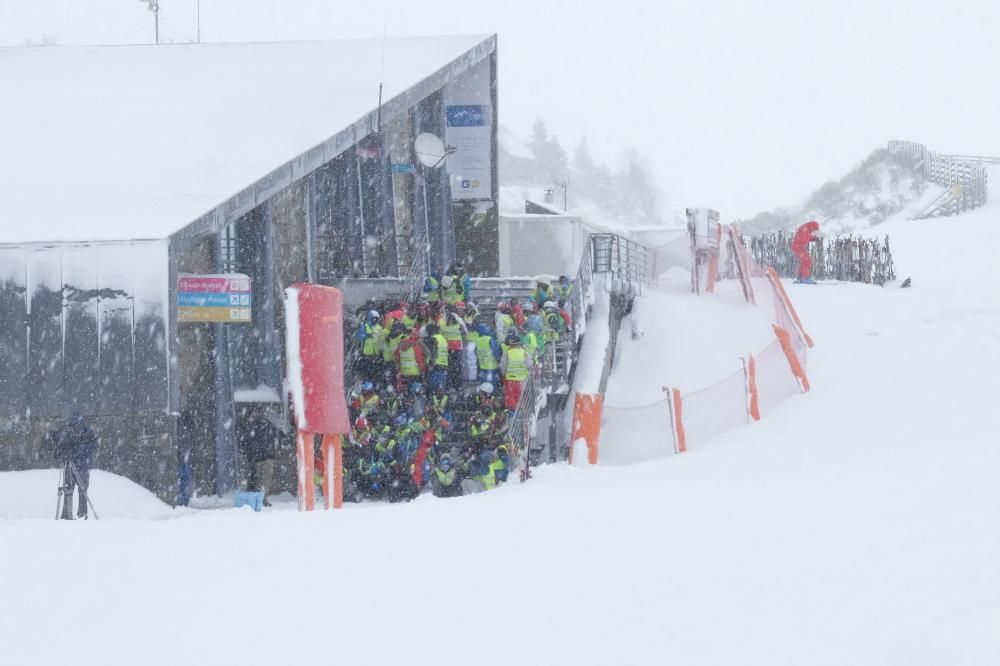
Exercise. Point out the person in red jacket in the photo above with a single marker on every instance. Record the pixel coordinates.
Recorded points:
(804, 235)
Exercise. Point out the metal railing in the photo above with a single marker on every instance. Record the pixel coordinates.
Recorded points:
(522, 422)
(625, 263)
(621, 267)
(964, 175)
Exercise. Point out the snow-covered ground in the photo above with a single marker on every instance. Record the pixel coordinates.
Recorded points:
(856, 524)
(32, 494)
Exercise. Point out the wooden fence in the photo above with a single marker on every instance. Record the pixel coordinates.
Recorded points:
(846, 258)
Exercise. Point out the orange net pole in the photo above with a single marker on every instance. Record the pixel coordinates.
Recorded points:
(754, 402)
(713, 263)
(679, 421)
(793, 360)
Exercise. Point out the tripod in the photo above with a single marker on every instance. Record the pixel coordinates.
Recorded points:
(64, 493)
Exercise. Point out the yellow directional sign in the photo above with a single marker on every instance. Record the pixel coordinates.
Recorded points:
(203, 314)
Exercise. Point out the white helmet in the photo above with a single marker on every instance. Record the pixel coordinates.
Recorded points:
(446, 281)
(486, 387)
(550, 305)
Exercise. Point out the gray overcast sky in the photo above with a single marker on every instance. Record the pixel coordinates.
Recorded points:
(740, 105)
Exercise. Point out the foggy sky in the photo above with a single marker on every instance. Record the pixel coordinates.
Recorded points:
(742, 106)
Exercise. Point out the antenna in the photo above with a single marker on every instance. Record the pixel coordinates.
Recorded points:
(154, 6)
(381, 74)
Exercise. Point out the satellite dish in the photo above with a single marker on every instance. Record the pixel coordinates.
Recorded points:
(430, 150)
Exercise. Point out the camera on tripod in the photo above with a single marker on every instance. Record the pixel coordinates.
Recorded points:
(73, 446)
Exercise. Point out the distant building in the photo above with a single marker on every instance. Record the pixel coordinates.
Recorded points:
(126, 167)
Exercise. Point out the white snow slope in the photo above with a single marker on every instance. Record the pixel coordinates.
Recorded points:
(856, 524)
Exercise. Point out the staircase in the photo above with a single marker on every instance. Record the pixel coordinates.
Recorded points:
(965, 176)
(612, 263)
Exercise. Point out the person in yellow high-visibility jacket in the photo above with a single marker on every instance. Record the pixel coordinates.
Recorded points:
(410, 361)
(487, 354)
(437, 357)
(390, 342)
(554, 322)
(451, 289)
(533, 344)
(454, 330)
(369, 337)
(515, 366)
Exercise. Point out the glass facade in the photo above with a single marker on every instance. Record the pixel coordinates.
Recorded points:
(369, 202)
(253, 350)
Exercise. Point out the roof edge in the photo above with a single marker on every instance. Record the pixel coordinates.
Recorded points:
(301, 166)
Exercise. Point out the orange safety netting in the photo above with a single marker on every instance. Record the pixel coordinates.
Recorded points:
(774, 380)
(715, 409)
(767, 379)
(770, 377)
(636, 434)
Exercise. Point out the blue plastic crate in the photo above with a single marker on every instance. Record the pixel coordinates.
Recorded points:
(251, 498)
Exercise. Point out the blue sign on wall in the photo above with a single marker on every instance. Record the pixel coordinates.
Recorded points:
(467, 115)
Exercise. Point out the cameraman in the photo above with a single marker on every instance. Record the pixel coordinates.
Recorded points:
(74, 445)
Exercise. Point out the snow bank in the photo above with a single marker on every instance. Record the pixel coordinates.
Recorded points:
(590, 365)
(32, 494)
(689, 341)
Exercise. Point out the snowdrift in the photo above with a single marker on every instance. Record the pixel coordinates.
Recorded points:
(32, 494)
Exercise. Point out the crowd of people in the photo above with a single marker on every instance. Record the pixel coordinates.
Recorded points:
(436, 380)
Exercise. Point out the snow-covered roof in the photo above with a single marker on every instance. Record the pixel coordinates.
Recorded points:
(129, 142)
(512, 144)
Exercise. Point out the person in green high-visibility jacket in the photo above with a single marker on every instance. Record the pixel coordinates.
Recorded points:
(554, 323)
(369, 336)
(410, 361)
(541, 293)
(451, 289)
(483, 472)
(432, 289)
(487, 354)
(447, 479)
(503, 320)
(515, 366)
(454, 330)
(532, 344)
(563, 291)
(390, 343)
(493, 471)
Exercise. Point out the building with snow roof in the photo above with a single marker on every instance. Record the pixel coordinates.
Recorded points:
(127, 167)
